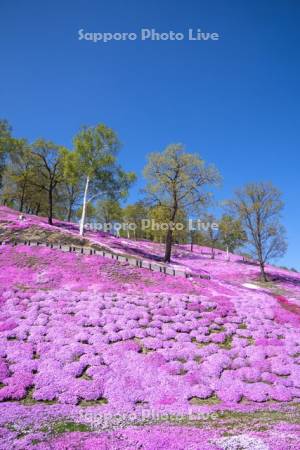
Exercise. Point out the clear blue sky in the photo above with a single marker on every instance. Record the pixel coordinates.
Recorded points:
(235, 101)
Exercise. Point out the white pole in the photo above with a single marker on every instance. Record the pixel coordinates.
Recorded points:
(81, 230)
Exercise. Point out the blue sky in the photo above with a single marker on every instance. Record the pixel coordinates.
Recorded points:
(235, 101)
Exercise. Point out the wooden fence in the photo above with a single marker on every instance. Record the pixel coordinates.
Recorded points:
(131, 260)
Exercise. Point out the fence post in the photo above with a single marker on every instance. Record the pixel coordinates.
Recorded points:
(132, 262)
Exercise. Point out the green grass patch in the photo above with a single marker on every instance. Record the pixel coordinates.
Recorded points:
(84, 375)
(29, 400)
(216, 330)
(68, 427)
(213, 400)
(227, 344)
(100, 401)
(181, 360)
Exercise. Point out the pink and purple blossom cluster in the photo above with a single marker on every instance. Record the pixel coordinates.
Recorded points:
(80, 331)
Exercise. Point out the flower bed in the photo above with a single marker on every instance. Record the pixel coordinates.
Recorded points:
(82, 336)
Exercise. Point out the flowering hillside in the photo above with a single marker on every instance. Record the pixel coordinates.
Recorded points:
(91, 349)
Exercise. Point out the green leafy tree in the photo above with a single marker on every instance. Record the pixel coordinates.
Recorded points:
(20, 180)
(258, 206)
(97, 148)
(108, 211)
(6, 145)
(231, 233)
(48, 163)
(90, 213)
(133, 216)
(19, 174)
(211, 233)
(159, 217)
(72, 185)
(177, 181)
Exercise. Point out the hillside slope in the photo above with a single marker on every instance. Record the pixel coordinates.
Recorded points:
(90, 349)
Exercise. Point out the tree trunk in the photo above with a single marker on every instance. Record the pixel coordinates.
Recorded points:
(71, 201)
(169, 237)
(263, 275)
(50, 217)
(70, 212)
(81, 230)
(22, 200)
(212, 252)
(192, 241)
(227, 253)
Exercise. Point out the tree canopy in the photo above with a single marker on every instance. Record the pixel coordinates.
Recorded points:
(177, 181)
(87, 181)
(259, 206)
(96, 149)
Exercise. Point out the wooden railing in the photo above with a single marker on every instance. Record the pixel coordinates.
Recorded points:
(131, 260)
